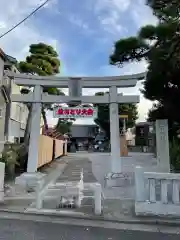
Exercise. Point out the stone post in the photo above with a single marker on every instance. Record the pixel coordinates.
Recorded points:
(97, 198)
(139, 184)
(162, 145)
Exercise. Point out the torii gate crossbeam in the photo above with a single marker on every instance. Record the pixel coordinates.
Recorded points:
(86, 82)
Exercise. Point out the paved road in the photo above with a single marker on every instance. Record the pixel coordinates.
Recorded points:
(29, 230)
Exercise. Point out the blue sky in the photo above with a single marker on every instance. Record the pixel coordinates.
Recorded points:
(82, 31)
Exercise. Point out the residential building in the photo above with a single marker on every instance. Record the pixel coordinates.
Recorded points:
(2, 103)
(13, 116)
(83, 132)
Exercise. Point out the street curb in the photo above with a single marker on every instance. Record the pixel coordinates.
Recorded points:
(160, 222)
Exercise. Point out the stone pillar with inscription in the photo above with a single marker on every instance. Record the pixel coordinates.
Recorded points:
(162, 145)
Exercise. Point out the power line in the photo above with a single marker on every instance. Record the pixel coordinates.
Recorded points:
(18, 24)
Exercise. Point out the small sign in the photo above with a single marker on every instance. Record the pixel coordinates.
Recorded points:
(123, 116)
(75, 112)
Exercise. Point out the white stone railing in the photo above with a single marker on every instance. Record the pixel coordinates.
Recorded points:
(97, 196)
(157, 193)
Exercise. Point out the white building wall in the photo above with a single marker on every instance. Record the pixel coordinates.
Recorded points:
(18, 116)
(17, 121)
(2, 108)
(18, 111)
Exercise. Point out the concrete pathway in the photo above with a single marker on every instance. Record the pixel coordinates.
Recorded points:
(21, 201)
(118, 202)
(101, 165)
(75, 166)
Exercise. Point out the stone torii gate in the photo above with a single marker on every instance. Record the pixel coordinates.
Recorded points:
(75, 85)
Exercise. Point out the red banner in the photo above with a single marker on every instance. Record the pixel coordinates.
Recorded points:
(70, 112)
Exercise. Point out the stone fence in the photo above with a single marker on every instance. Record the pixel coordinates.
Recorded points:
(157, 193)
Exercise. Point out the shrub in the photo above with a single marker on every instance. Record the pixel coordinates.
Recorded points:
(9, 156)
(174, 151)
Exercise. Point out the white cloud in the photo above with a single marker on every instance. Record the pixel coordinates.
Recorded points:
(112, 5)
(79, 22)
(17, 42)
(109, 12)
(142, 14)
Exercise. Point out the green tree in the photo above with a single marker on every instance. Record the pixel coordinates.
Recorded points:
(103, 119)
(43, 61)
(160, 46)
(64, 126)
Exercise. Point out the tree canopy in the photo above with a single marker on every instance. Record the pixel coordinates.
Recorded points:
(160, 46)
(103, 119)
(43, 61)
(64, 126)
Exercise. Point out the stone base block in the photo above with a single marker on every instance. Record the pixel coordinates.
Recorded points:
(29, 181)
(117, 180)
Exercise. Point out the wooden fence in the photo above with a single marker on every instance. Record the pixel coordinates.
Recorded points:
(49, 148)
(58, 148)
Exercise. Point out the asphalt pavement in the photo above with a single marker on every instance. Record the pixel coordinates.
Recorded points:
(29, 230)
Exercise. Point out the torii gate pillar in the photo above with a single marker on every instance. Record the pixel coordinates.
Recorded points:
(30, 179)
(35, 132)
(114, 132)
